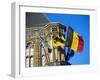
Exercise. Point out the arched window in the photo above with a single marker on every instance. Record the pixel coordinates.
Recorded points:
(29, 55)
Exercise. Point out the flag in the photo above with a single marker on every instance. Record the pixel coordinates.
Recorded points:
(80, 44)
(58, 41)
(74, 41)
(69, 37)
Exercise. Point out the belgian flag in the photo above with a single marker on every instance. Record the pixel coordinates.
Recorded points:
(80, 44)
(74, 41)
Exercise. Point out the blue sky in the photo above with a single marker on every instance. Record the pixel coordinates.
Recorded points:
(80, 23)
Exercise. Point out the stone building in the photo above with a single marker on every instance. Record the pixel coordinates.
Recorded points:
(40, 50)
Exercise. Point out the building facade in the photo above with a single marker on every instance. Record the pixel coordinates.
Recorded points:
(42, 46)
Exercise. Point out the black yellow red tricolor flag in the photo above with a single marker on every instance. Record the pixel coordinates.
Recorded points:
(74, 41)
